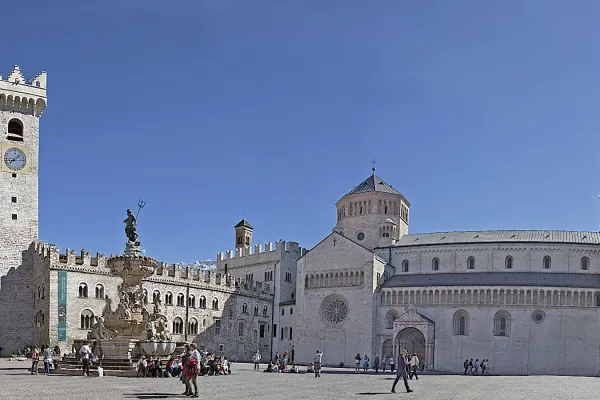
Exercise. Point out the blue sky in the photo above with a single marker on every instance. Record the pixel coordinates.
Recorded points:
(484, 114)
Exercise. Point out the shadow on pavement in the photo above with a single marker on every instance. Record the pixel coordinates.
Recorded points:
(371, 393)
(153, 396)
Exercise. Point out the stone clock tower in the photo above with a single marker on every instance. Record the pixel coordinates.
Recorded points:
(22, 102)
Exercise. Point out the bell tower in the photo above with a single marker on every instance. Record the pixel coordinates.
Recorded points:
(22, 102)
(243, 234)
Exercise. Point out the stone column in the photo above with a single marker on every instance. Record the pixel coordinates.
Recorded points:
(429, 355)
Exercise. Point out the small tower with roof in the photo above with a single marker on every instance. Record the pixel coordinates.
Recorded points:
(373, 214)
(243, 234)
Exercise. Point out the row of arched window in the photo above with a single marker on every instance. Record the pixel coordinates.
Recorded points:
(334, 279)
(461, 323)
(265, 310)
(500, 296)
(365, 207)
(508, 263)
(98, 292)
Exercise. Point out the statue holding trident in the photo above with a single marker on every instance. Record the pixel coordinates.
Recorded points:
(133, 246)
(130, 223)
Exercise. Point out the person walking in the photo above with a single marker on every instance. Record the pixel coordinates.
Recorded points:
(256, 360)
(414, 367)
(376, 363)
(193, 367)
(317, 363)
(48, 354)
(402, 364)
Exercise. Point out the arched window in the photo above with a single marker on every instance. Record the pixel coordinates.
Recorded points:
(255, 335)
(471, 263)
(256, 310)
(83, 289)
(87, 319)
(177, 326)
(193, 326)
(265, 311)
(460, 323)
(215, 304)
(155, 296)
(99, 291)
(202, 302)
(204, 322)
(585, 263)
(180, 300)
(435, 264)
(285, 334)
(244, 308)
(390, 317)
(502, 323)
(43, 290)
(291, 332)
(192, 301)
(145, 296)
(169, 298)
(15, 130)
(547, 262)
(508, 262)
(405, 266)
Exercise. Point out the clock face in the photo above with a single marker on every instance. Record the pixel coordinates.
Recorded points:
(15, 159)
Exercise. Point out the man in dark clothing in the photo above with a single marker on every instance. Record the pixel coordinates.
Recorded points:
(402, 366)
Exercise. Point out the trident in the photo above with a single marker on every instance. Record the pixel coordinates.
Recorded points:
(141, 205)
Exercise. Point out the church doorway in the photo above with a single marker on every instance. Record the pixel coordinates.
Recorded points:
(387, 348)
(413, 341)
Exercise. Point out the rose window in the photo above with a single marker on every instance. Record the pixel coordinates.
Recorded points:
(335, 310)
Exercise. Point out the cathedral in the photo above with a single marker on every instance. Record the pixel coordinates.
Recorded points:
(527, 301)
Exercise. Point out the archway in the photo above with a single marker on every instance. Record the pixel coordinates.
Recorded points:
(387, 350)
(413, 341)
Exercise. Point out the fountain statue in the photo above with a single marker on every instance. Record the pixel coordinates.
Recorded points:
(131, 327)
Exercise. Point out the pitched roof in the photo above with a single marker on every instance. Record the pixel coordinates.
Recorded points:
(373, 184)
(472, 237)
(244, 223)
(552, 279)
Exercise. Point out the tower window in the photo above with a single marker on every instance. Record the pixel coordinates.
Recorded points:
(405, 266)
(435, 264)
(13, 199)
(14, 217)
(15, 130)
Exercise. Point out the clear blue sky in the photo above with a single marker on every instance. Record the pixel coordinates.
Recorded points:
(484, 114)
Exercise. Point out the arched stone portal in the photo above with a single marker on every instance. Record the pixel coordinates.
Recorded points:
(413, 341)
(415, 333)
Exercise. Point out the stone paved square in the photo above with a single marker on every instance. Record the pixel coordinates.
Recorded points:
(334, 384)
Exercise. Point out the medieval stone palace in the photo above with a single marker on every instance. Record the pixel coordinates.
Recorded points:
(528, 301)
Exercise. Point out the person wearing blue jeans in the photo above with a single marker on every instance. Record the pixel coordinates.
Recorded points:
(48, 354)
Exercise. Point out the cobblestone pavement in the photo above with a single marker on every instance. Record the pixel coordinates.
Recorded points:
(334, 384)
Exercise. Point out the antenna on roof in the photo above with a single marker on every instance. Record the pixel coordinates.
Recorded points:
(373, 168)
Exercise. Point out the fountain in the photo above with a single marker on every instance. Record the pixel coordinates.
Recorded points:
(131, 329)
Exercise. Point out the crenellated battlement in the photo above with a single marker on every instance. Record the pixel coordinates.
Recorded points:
(50, 253)
(23, 96)
(171, 273)
(270, 250)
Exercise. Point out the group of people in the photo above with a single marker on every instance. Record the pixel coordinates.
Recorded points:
(194, 363)
(45, 354)
(472, 367)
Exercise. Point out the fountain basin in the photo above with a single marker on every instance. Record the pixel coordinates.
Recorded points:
(157, 348)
